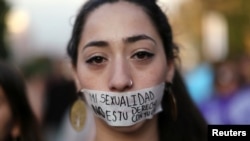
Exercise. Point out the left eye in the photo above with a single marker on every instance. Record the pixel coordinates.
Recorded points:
(142, 55)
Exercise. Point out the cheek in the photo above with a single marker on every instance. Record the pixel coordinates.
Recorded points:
(151, 75)
(158, 70)
(90, 79)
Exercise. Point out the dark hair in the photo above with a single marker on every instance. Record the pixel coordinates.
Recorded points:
(13, 85)
(190, 125)
(154, 12)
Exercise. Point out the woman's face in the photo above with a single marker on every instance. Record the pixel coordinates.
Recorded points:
(5, 115)
(119, 44)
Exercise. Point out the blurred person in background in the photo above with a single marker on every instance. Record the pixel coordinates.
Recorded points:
(51, 92)
(226, 78)
(59, 95)
(240, 107)
(217, 109)
(122, 48)
(244, 71)
(36, 71)
(17, 121)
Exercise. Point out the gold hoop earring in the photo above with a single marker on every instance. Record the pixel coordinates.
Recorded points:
(172, 100)
(78, 113)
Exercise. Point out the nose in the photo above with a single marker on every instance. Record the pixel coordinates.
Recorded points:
(120, 77)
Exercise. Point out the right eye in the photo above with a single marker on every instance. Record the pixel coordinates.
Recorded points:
(142, 55)
(96, 60)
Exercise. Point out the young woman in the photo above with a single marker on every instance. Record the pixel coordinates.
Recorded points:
(123, 54)
(17, 121)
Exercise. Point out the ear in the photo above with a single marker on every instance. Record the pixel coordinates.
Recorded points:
(77, 83)
(76, 80)
(15, 131)
(170, 71)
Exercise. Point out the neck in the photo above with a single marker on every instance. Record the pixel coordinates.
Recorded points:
(146, 131)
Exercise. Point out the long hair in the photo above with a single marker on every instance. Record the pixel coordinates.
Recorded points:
(13, 85)
(190, 125)
(154, 12)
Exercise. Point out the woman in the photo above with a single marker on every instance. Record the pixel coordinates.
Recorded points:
(123, 54)
(17, 121)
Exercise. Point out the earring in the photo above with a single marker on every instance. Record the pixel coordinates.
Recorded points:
(172, 100)
(78, 113)
(130, 83)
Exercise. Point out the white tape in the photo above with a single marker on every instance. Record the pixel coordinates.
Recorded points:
(125, 108)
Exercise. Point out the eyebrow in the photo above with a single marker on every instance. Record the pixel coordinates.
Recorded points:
(139, 37)
(96, 44)
(131, 39)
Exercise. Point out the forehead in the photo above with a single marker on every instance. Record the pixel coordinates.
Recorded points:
(121, 17)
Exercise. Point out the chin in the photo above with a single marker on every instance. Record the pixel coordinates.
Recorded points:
(130, 129)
